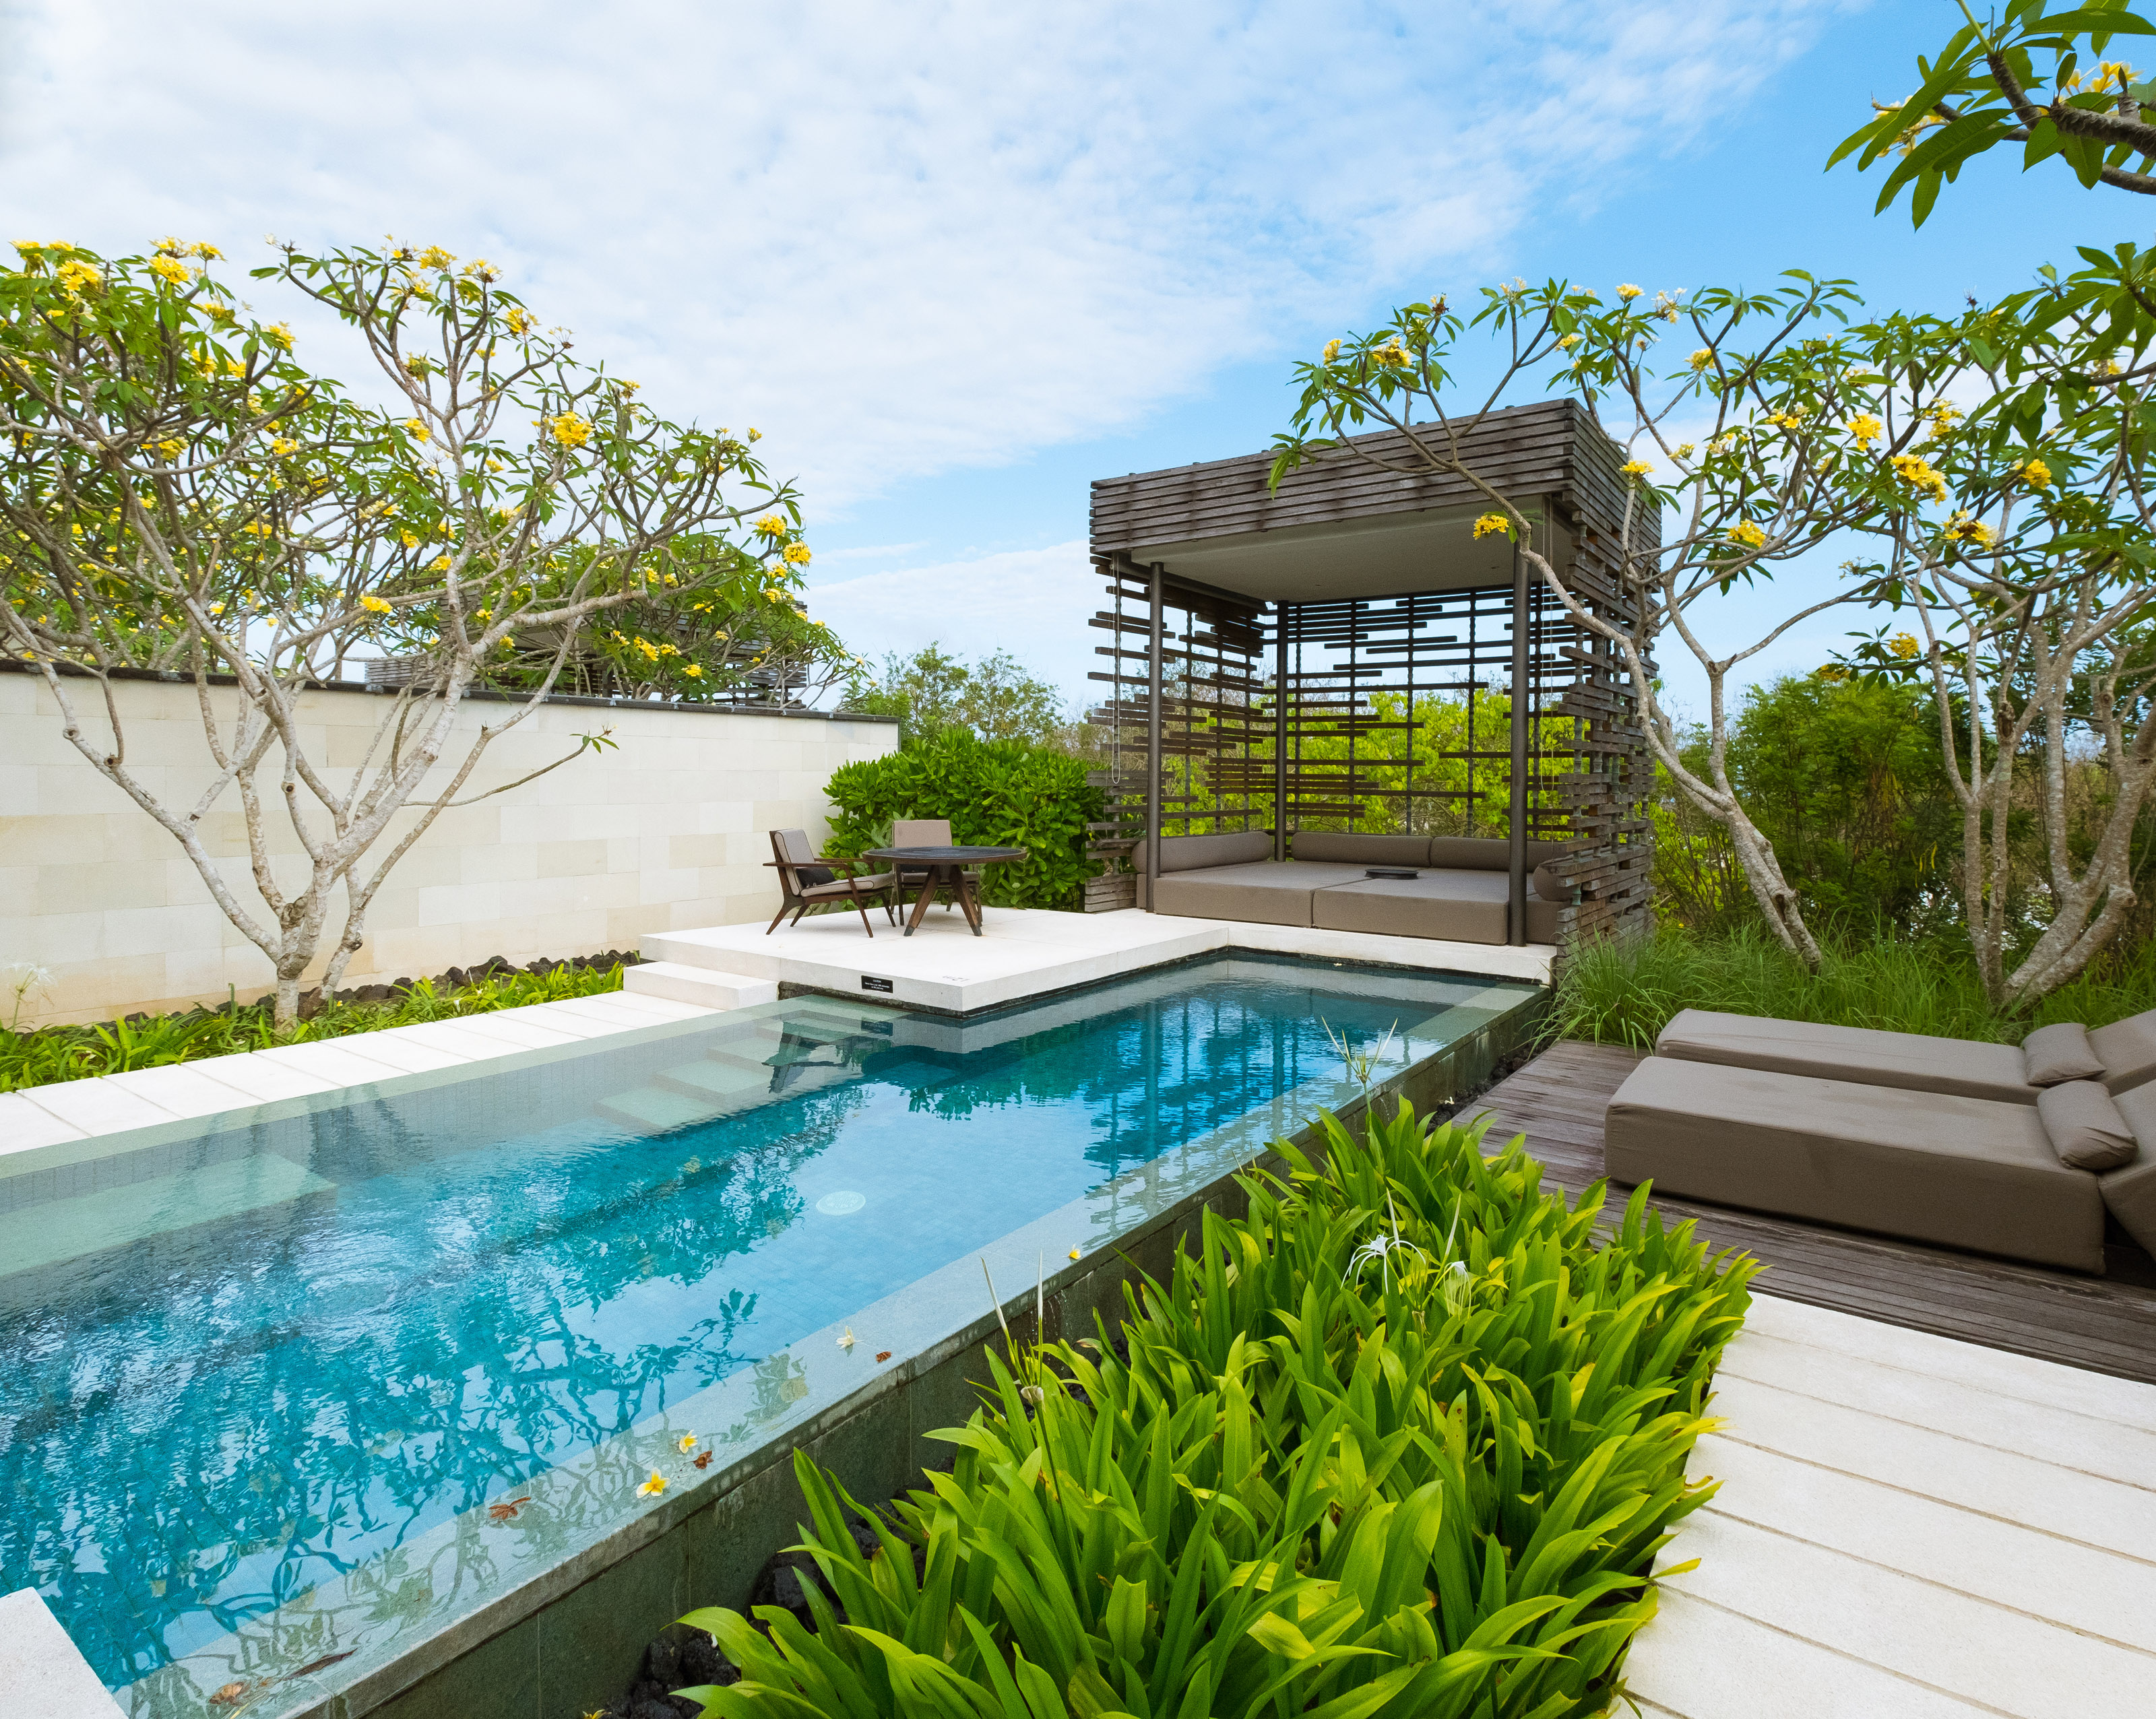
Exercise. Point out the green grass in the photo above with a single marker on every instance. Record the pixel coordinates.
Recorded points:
(1432, 1482)
(46, 1054)
(1624, 993)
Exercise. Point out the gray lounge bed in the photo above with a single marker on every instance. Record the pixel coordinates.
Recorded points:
(1461, 892)
(1937, 1140)
(1912, 1060)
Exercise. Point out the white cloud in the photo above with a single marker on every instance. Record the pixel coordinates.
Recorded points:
(898, 240)
(1032, 603)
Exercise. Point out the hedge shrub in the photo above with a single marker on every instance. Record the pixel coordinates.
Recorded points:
(1327, 1479)
(1005, 793)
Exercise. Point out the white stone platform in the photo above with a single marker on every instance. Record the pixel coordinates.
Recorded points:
(1909, 1527)
(1026, 952)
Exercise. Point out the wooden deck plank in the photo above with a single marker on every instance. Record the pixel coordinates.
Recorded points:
(2106, 1324)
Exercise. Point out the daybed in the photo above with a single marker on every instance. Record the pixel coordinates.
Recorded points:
(2001, 1149)
(1460, 892)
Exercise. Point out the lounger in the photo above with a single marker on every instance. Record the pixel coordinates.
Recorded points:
(1461, 906)
(1963, 1067)
(1964, 1173)
(1263, 892)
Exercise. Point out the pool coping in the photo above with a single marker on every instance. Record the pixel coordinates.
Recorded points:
(930, 1330)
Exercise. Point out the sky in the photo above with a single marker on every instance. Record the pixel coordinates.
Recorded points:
(956, 260)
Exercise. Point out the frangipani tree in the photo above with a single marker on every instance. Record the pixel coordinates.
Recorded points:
(178, 492)
(2028, 584)
(1740, 452)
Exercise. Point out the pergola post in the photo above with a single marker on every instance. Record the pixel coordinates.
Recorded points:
(1516, 918)
(1279, 733)
(1153, 651)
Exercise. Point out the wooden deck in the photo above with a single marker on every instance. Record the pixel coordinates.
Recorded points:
(2106, 1324)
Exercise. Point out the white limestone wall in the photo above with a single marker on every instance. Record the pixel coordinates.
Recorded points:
(666, 833)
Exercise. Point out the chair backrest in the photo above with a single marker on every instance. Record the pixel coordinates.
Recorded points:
(921, 832)
(792, 847)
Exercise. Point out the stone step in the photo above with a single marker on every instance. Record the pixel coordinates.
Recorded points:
(691, 949)
(705, 986)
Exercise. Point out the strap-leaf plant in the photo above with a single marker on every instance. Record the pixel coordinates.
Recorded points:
(1438, 1491)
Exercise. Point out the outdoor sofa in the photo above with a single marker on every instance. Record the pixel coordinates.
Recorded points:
(1461, 892)
(1999, 1149)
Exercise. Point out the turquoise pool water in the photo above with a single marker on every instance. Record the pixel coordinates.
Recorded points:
(248, 1361)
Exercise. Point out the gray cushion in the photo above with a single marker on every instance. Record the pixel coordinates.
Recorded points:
(1909, 1060)
(2085, 1127)
(2131, 1192)
(1459, 907)
(1964, 1173)
(1475, 853)
(2127, 1050)
(1349, 849)
(2051, 1054)
(1267, 892)
(1550, 886)
(1190, 853)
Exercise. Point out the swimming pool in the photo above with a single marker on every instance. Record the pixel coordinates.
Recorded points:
(250, 1361)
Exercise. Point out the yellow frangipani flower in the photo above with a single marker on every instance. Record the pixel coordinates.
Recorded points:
(478, 269)
(282, 447)
(374, 605)
(77, 278)
(1701, 358)
(1863, 429)
(1904, 645)
(772, 524)
(520, 320)
(171, 270)
(434, 257)
(1567, 342)
(796, 554)
(279, 335)
(1684, 450)
(1919, 475)
(417, 431)
(1490, 525)
(693, 672)
(439, 564)
(1636, 468)
(1748, 534)
(570, 430)
(2035, 474)
(756, 435)
(1331, 351)
(1628, 292)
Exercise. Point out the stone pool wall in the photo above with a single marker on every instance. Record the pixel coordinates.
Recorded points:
(666, 833)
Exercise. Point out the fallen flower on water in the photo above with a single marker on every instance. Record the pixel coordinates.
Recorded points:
(685, 1443)
(1073, 1253)
(654, 1486)
(846, 1340)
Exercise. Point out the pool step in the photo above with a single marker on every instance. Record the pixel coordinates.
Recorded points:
(725, 1082)
(702, 985)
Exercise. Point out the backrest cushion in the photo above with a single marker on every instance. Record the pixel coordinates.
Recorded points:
(2127, 1050)
(793, 846)
(921, 832)
(2086, 1130)
(2052, 1054)
(1346, 848)
(1477, 853)
(1189, 853)
(1549, 885)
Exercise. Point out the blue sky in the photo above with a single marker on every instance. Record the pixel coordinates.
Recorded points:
(957, 260)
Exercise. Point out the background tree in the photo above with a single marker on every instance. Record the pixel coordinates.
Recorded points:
(994, 698)
(177, 492)
(1754, 433)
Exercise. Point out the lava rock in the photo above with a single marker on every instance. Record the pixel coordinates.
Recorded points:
(701, 1663)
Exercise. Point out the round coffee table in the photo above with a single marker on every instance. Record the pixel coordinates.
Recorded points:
(947, 870)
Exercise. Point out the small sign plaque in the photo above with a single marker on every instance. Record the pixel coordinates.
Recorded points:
(870, 982)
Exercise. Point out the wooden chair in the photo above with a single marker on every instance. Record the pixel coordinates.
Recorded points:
(808, 879)
(922, 832)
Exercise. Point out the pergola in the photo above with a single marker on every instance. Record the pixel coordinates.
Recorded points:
(1344, 654)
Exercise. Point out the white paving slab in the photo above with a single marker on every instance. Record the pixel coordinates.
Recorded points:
(42, 1672)
(1026, 952)
(184, 1089)
(24, 1125)
(1909, 1527)
(96, 1107)
(334, 1062)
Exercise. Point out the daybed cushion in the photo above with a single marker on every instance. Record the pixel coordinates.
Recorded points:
(2127, 1050)
(1964, 1173)
(2085, 1127)
(2051, 1054)
(1268, 892)
(1344, 848)
(1478, 853)
(1191, 852)
(1461, 906)
(2131, 1192)
(1909, 1060)
(1549, 885)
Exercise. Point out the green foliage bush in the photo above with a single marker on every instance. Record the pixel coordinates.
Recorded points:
(44, 1054)
(1625, 991)
(996, 793)
(1431, 1482)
